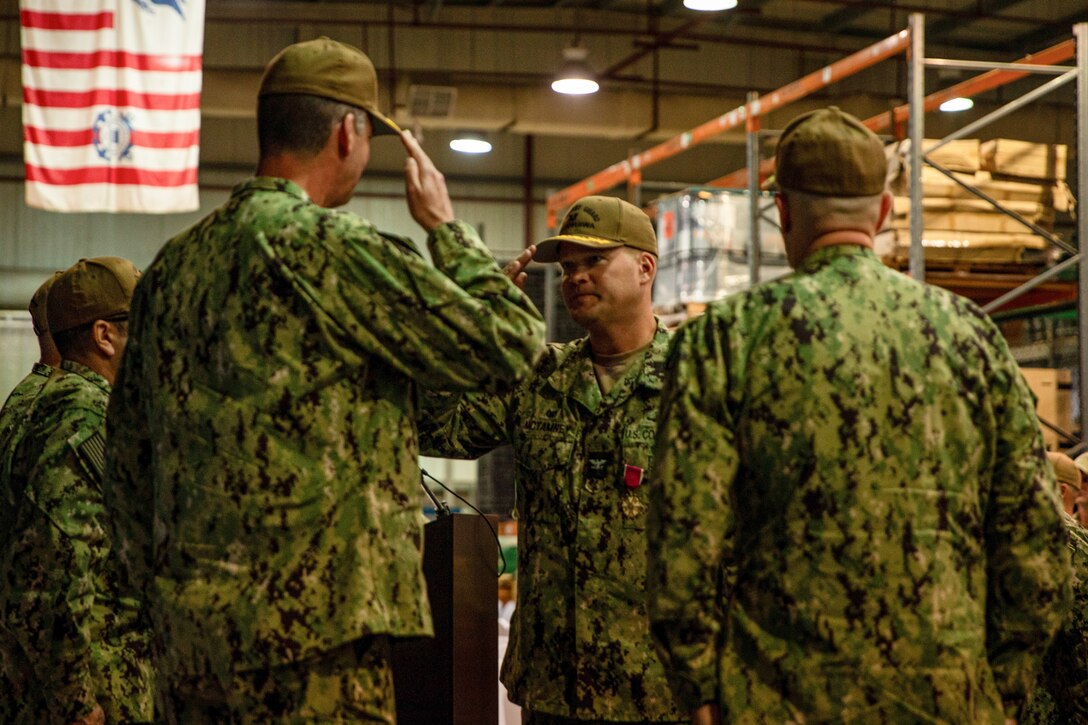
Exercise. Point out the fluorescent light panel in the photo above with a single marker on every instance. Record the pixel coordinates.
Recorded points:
(575, 86)
(957, 104)
(710, 6)
(468, 145)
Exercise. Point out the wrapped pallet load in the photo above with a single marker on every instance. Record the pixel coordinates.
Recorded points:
(702, 241)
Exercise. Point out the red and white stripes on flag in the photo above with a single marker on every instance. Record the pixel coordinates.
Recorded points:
(111, 104)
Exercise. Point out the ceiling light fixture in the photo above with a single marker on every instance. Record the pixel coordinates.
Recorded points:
(470, 143)
(710, 6)
(574, 77)
(957, 104)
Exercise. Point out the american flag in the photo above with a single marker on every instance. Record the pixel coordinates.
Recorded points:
(111, 104)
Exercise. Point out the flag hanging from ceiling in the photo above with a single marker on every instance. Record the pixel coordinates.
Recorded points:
(111, 104)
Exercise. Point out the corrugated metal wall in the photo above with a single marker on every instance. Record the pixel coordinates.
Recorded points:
(36, 242)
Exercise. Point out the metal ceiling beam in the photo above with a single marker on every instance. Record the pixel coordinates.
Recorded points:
(658, 42)
(1050, 32)
(976, 14)
(944, 26)
(838, 19)
(858, 34)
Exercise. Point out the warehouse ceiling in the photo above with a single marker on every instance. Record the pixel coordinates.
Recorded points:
(485, 66)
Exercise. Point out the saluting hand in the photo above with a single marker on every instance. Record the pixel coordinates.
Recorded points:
(428, 199)
(513, 269)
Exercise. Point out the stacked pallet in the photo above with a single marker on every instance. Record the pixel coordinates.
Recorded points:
(963, 231)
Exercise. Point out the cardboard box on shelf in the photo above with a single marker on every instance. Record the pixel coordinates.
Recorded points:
(959, 155)
(1030, 209)
(973, 215)
(969, 221)
(951, 239)
(936, 184)
(1024, 159)
(964, 249)
(1053, 391)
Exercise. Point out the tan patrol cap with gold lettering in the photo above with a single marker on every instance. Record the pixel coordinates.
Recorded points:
(604, 222)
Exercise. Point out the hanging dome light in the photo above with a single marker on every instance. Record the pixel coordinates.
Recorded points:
(574, 77)
(710, 6)
(470, 143)
(957, 104)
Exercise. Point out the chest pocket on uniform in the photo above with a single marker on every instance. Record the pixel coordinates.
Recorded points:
(542, 461)
(638, 446)
(544, 451)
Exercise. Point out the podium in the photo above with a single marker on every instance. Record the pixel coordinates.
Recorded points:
(453, 678)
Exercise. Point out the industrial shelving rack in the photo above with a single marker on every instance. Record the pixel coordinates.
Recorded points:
(910, 42)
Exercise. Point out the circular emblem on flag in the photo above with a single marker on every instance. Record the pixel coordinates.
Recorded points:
(113, 135)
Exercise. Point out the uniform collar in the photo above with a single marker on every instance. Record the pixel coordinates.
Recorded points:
(270, 183)
(42, 369)
(71, 366)
(574, 377)
(828, 255)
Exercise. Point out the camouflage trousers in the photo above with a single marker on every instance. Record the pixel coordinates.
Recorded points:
(42, 687)
(350, 684)
(543, 718)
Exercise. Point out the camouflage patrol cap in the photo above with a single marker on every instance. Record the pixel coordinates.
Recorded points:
(830, 153)
(326, 68)
(604, 222)
(89, 290)
(38, 314)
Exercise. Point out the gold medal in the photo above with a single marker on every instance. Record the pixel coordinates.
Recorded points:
(632, 505)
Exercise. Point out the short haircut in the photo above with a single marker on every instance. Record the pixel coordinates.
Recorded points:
(822, 212)
(300, 123)
(78, 341)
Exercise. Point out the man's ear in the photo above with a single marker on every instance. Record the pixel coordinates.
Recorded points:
(647, 267)
(104, 338)
(885, 208)
(345, 135)
(784, 220)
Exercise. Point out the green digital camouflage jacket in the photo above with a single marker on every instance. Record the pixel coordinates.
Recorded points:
(64, 614)
(580, 643)
(12, 420)
(855, 520)
(1061, 696)
(262, 464)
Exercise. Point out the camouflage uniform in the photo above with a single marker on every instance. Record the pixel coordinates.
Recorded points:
(855, 520)
(1061, 696)
(12, 421)
(352, 683)
(579, 643)
(268, 398)
(60, 597)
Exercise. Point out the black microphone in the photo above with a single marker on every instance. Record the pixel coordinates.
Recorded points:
(441, 508)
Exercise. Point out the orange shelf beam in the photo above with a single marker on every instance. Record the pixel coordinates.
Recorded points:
(619, 172)
(972, 86)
